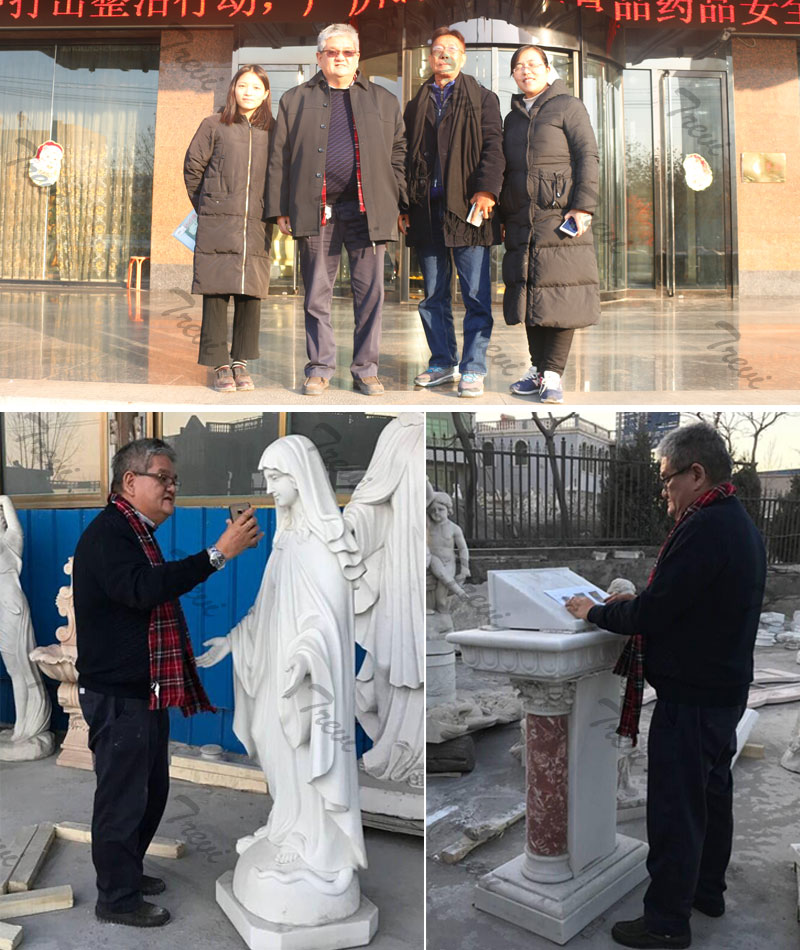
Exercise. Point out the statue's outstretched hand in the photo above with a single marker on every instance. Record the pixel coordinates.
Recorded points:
(220, 648)
(298, 670)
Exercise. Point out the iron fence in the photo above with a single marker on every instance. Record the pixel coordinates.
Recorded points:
(507, 493)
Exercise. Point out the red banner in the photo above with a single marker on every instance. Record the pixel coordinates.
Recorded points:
(756, 15)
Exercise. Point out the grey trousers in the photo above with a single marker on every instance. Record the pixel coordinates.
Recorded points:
(319, 262)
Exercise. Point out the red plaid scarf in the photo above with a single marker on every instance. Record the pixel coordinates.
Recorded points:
(631, 662)
(361, 206)
(173, 674)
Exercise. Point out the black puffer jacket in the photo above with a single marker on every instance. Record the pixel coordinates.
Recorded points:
(225, 171)
(551, 167)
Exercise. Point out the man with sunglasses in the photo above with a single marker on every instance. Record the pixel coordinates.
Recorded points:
(135, 661)
(692, 632)
(455, 173)
(337, 180)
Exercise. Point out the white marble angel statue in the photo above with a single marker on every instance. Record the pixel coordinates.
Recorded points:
(293, 667)
(30, 738)
(385, 514)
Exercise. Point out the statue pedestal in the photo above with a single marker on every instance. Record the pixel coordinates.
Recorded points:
(575, 865)
(354, 931)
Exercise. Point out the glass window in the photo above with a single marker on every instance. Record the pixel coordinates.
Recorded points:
(487, 452)
(54, 454)
(99, 104)
(639, 176)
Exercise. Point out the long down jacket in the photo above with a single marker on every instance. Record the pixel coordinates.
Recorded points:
(225, 171)
(551, 167)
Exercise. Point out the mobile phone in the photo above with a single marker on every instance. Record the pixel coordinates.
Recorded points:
(569, 227)
(238, 508)
(475, 216)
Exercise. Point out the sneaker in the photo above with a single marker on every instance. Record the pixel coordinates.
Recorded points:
(242, 378)
(471, 384)
(529, 384)
(550, 389)
(368, 385)
(146, 915)
(635, 933)
(223, 380)
(315, 385)
(152, 885)
(436, 375)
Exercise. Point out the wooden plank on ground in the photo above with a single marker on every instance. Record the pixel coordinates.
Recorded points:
(36, 901)
(159, 847)
(752, 750)
(10, 936)
(21, 842)
(477, 833)
(761, 696)
(32, 858)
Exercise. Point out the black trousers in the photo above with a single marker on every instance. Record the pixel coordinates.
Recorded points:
(214, 329)
(549, 347)
(689, 809)
(131, 747)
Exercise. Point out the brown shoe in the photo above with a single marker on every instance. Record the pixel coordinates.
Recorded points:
(315, 385)
(223, 380)
(368, 385)
(242, 378)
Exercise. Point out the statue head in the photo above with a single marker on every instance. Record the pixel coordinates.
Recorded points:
(440, 507)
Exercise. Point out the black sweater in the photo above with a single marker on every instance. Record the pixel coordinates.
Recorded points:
(699, 617)
(115, 590)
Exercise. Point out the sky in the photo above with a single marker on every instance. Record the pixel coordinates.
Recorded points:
(778, 447)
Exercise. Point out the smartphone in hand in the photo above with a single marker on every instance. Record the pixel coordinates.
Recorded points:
(475, 216)
(238, 509)
(569, 227)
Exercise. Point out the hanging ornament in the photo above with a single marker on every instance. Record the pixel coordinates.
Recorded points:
(46, 164)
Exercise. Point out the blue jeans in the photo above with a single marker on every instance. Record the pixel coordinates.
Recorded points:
(472, 267)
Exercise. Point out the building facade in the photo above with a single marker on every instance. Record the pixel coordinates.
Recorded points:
(695, 103)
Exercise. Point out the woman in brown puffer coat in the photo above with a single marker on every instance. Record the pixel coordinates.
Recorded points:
(551, 176)
(225, 171)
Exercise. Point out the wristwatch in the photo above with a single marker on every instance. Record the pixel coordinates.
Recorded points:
(217, 558)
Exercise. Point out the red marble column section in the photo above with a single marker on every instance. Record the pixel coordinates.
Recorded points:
(547, 772)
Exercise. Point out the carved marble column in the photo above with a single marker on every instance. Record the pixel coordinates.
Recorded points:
(546, 707)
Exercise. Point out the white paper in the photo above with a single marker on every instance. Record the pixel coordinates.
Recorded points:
(562, 594)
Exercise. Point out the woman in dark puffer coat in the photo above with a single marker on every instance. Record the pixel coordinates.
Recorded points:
(225, 171)
(551, 281)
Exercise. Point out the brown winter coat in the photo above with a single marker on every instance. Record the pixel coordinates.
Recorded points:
(225, 171)
(551, 167)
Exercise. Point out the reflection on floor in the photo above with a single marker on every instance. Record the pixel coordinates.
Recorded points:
(654, 350)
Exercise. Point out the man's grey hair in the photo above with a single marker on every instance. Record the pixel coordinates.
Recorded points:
(698, 442)
(337, 29)
(136, 457)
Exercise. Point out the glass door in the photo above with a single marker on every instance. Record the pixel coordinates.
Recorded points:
(695, 182)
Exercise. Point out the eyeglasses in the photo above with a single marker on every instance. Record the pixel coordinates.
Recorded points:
(453, 50)
(530, 67)
(167, 481)
(666, 479)
(333, 53)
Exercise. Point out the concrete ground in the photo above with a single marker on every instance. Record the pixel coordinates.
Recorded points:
(209, 820)
(762, 889)
(78, 344)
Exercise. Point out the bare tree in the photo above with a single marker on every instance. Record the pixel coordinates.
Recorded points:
(548, 430)
(738, 426)
(758, 423)
(46, 441)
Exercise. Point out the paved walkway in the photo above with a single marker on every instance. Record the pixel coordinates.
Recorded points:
(77, 344)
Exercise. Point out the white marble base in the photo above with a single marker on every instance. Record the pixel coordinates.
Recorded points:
(440, 672)
(559, 911)
(398, 799)
(258, 934)
(26, 750)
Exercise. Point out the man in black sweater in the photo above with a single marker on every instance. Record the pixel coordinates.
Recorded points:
(134, 661)
(696, 624)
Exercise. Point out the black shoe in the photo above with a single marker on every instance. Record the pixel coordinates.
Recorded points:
(152, 885)
(635, 933)
(710, 908)
(147, 915)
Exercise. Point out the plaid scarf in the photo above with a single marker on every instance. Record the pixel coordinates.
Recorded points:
(173, 674)
(631, 662)
(362, 208)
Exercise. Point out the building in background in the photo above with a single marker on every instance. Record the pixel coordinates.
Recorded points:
(696, 107)
(658, 424)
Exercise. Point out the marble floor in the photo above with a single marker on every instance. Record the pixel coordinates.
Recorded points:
(74, 345)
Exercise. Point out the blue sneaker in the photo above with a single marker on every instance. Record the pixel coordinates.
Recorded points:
(529, 384)
(551, 389)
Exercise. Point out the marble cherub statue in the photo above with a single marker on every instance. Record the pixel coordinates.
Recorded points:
(448, 561)
(293, 667)
(385, 515)
(30, 738)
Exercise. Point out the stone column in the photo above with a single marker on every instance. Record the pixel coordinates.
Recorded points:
(547, 707)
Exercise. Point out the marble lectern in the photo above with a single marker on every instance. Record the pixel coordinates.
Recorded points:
(575, 865)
